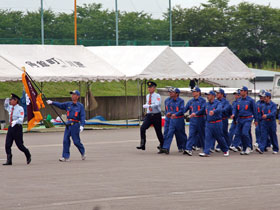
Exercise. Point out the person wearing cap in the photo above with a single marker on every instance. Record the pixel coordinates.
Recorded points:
(226, 113)
(214, 126)
(268, 125)
(245, 111)
(177, 122)
(171, 92)
(233, 136)
(153, 116)
(74, 125)
(16, 116)
(259, 103)
(196, 108)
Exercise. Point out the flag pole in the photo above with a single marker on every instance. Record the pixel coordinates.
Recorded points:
(75, 21)
(43, 95)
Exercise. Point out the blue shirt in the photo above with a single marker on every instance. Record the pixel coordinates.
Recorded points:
(270, 110)
(196, 106)
(226, 108)
(18, 112)
(245, 107)
(74, 112)
(155, 103)
(176, 106)
(259, 104)
(215, 106)
(166, 105)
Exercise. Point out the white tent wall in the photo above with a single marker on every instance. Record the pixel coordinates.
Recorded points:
(214, 63)
(145, 62)
(46, 63)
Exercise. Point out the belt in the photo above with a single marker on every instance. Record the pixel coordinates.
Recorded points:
(199, 116)
(73, 120)
(215, 121)
(179, 117)
(224, 118)
(153, 114)
(246, 117)
(267, 119)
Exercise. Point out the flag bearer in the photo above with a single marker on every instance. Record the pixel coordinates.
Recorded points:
(74, 125)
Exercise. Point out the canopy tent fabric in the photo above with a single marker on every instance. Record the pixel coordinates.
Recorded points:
(145, 62)
(8, 72)
(46, 63)
(214, 62)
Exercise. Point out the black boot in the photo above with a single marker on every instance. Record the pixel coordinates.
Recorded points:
(28, 157)
(142, 145)
(9, 160)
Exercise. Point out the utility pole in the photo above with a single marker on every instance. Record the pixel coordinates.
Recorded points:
(42, 23)
(170, 23)
(75, 21)
(117, 22)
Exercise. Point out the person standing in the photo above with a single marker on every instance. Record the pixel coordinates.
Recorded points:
(16, 116)
(74, 125)
(259, 104)
(226, 113)
(245, 111)
(177, 122)
(268, 125)
(233, 136)
(196, 108)
(171, 91)
(214, 126)
(153, 116)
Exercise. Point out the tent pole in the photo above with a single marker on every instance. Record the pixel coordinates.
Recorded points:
(126, 108)
(138, 101)
(79, 84)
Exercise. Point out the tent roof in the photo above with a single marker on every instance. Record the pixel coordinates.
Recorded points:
(145, 62)
(214, 62)
(8, 72)
(58, 63)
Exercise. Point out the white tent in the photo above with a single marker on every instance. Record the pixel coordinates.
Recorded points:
(8, 72)
(145, 62)
(58, 63)
(214, 62)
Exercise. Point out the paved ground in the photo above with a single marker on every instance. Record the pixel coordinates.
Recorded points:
(117, 176)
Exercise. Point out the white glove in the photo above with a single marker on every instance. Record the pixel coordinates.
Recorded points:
(7, 100)
(81, 128)
(49, 102)
(14, 122)
(145, 106)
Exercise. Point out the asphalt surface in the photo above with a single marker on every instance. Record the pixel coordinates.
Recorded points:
(117, 176)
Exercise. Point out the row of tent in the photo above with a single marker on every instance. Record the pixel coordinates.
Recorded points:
(46, 63)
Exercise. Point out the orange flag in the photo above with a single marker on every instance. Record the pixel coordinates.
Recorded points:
(34, 104)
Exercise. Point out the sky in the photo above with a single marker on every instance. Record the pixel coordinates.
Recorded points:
(154, 7)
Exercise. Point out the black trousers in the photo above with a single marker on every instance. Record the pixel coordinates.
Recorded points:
(15, 133)
(155, 120)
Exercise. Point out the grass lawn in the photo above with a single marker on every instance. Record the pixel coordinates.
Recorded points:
(61, 89)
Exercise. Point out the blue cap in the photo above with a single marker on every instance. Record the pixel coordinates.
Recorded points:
(267, 94)
(75, 92)
(221, 91)
(211, 93)
(196, 89)
(236, 92)
(177, 90)
(244, 88)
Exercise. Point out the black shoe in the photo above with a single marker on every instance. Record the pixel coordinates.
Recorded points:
(28, 160)
(159, 147)
(162, 150)
(9, 161)
(141, 147)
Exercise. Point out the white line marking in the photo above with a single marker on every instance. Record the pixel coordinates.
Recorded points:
(147, 196)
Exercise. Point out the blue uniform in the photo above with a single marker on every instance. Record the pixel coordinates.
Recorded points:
(197, 123)
(259, 103)
(75, 119)
(226, 113)
(167, 123)
(233, 136)
(268, 126)
(214, 127)
(245, 111)
(177, 125)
